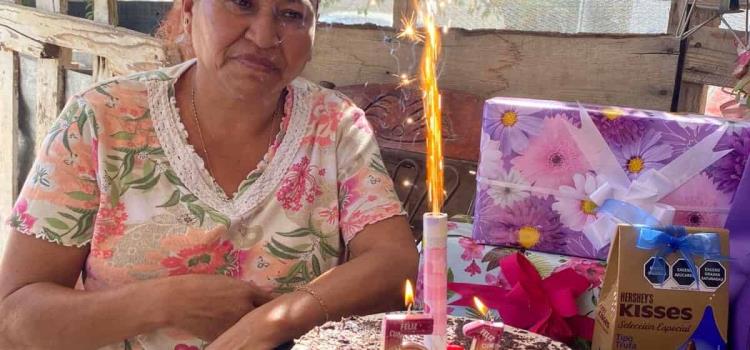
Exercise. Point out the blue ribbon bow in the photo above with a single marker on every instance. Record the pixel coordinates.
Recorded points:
(666, 240)
(673, 239)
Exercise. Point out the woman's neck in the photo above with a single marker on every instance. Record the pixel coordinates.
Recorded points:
(249, 114)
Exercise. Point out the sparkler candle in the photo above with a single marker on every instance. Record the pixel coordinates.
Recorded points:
(434, 223)
(396, 325)
(486, 334)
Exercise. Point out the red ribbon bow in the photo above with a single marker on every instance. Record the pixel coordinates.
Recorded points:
(544, 306)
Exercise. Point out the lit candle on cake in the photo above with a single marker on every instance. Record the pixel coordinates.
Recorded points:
(486, 334)
(397, 325)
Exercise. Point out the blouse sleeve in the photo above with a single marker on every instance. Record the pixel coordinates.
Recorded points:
(366, 191)
(60, 197)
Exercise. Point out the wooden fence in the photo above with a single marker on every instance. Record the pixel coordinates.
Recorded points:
(645, 71)
(46, 34)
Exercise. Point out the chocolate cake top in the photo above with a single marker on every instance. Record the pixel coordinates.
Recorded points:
(364, 333)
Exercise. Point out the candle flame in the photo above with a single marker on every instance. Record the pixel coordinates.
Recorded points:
(481, 307)
(408, 295)
(431, 101)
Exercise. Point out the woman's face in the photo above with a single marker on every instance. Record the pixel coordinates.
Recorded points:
(251, 46)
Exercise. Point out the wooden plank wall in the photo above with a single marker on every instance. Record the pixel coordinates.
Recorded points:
(710, 57)
(625, 70)
(127, 51)
(638, 71)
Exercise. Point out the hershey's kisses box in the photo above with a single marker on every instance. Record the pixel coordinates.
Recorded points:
(650, 305)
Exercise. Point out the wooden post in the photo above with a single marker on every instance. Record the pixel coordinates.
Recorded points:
(692, 96)
(105, 12)
(9, 72)
(675, 13)
(403, 9)
(50, 82)
(50, 94)
(64, 55)
(58, 6)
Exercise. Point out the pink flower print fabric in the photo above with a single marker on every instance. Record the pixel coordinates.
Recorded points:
(299, 185)
(60, 198)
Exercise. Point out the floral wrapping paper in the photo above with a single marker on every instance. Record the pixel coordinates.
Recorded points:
(472, 263)
(535, 181)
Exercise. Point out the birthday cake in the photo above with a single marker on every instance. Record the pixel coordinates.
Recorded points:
(364, 333)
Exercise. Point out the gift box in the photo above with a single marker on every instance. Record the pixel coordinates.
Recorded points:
(479, 270)
(547, 168)
(666, 288)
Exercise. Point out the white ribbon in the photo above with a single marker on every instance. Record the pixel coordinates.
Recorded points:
(649, 188)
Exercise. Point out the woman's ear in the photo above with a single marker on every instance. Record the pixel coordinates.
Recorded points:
(187, 14)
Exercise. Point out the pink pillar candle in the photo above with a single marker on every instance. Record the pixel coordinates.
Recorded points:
(436, 277)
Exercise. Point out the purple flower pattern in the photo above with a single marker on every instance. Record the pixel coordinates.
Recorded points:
(683, 137)
(727, 172)
(513, 127)
(532, 224)
(646, 153)
(617, 128)
(639, 139)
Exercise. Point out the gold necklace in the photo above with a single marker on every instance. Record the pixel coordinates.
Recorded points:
(277, 111)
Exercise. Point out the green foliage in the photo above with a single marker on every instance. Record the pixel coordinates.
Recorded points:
(89, 10)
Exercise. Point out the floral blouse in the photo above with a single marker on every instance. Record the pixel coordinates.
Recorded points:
(116, 173)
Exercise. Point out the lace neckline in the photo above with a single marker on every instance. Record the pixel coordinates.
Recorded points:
(190, 167)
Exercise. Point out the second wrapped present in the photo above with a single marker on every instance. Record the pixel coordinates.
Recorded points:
(505, 276)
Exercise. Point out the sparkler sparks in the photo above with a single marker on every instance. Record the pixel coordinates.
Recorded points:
(409, 30)
(432, 103)
(404, 79)
(431, 99)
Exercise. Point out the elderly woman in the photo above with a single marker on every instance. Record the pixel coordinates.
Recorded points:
(223, 201)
